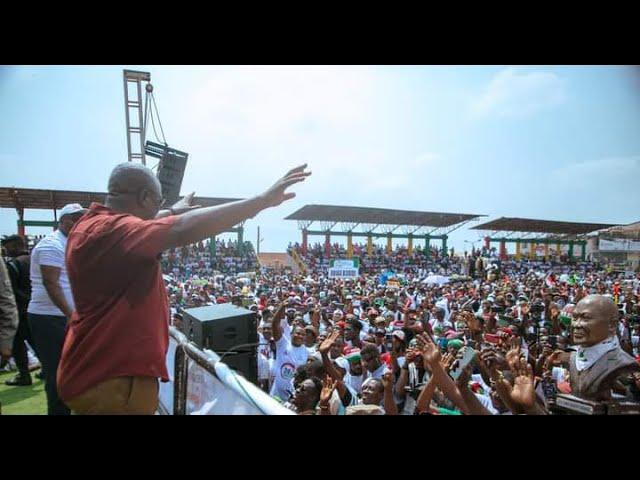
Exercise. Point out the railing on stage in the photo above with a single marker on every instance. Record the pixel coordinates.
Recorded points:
(201, 384)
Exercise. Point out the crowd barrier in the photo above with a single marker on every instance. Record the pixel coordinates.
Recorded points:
(201, 384)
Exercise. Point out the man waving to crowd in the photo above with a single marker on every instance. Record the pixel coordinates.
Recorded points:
(117, 339)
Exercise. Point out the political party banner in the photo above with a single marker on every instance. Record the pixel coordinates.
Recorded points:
(618, 245)
(346, 273)
(345, 263)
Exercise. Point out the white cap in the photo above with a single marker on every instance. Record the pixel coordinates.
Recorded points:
(400, 334)
(343, 363)
(72, 208)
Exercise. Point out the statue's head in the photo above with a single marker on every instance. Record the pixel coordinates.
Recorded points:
(594, 319)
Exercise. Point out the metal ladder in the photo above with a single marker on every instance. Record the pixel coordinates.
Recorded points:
(130, 107)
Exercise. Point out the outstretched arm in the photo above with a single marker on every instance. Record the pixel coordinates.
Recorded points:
(198, 224)
(390, 406)
(431, 356)
(276, 327)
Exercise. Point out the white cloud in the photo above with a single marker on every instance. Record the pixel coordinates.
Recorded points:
(516, 93)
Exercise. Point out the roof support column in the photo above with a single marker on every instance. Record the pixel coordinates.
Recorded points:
(212, 247)
(327, 245)
(532, 251)
(349, 245)
(410, 245)
(21, 230)
(503, 250)
(305, 240)
(518, 251)
(370, 244)
(240, 240)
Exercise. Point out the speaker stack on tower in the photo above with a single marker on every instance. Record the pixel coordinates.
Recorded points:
(170, 169)
(222, 328)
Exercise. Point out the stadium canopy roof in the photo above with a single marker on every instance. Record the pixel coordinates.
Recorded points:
(30, 198)
(631, 231)
(377, 216)
(527, 225)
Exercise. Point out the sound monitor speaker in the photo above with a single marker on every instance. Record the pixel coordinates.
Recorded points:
(170, 169)
(221, 328)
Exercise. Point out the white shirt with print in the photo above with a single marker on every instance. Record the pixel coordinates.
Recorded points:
(288, 359)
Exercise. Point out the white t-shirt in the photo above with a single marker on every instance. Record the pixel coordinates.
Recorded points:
(286, 328)
(49, 252)
(379, 373)
(288, 359)
(354, 382)
(486, 402)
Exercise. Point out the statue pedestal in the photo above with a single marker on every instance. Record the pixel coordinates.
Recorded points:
(570, 405)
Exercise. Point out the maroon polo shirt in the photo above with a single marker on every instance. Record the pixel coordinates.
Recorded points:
(120, 326)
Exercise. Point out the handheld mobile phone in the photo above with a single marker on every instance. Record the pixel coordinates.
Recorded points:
(467, 357)
(553, 340)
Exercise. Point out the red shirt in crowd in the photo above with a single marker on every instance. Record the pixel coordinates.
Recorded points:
(120, 326)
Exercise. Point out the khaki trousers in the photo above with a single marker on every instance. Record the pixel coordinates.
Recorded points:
(118, 396)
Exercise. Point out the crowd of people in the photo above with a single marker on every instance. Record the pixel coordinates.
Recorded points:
(438, 334)
(495, 338)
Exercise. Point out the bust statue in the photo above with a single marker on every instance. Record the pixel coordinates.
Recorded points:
(599, 361)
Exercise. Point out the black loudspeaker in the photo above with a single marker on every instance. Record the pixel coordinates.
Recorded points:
(170, 169)
(223, 328)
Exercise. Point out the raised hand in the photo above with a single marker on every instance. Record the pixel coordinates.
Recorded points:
(328, 343)
(523, 393)
(430, 351)
(410, 355)
(465, 376)
(328, 386)
(387, 380)
(472, 322)
(552, 360)
(279, 313)
(513, 354)
(276, 194)
(184, 204)
(315, 317)
(447, 361)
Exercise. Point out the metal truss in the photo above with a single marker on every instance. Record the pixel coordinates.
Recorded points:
(410, 229)
(369, 227)
(349, 226)
(304, 224)
(387, 229)
(327, 226)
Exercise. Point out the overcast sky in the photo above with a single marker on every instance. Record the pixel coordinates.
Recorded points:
(547, 142)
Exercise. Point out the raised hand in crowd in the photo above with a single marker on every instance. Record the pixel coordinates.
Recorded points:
(447, 361)
(390, 406)
(514, 352)
(326, 345)
(328, 387)
(523, 392)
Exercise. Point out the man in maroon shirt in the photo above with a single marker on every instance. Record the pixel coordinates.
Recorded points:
(117, 339)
